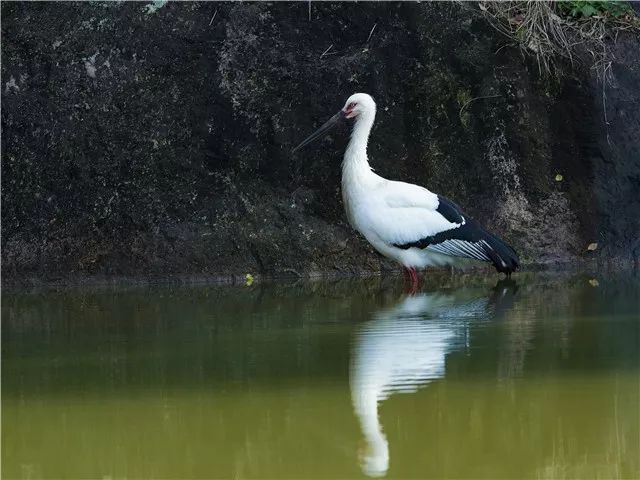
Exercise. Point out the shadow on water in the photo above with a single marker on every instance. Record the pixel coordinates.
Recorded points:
(467, 379)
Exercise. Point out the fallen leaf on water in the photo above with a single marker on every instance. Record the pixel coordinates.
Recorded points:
(593, 282)
(249, 279)
(559, 178)
(592, 246)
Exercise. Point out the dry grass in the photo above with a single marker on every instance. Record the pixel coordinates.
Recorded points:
(553, 39)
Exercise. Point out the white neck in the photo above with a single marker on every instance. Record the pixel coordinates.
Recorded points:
(355, 164)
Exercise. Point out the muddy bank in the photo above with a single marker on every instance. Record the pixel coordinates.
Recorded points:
(148, 139)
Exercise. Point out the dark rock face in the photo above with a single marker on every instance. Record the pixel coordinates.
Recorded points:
(154, 139)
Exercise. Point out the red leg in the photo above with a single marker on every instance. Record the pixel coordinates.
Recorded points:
(406, 276)
(413, 278)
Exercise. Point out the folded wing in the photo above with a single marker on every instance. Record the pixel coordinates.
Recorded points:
(418, 218)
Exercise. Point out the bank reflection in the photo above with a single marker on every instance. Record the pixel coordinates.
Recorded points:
(404, 348)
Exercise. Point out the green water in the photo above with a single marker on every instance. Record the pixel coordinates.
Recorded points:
(326, 380)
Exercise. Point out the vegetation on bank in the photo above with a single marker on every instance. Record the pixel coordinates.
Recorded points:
(558, 31)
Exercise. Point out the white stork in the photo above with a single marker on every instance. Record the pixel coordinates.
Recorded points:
(402, 221)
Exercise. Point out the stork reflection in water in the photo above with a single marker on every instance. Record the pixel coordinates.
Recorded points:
(404, 348)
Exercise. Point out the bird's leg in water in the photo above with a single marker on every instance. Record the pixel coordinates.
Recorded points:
(412, 276)
(406, 274)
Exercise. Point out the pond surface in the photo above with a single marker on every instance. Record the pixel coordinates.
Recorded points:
(470, 378)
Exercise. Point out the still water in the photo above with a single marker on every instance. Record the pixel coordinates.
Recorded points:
(470, 378)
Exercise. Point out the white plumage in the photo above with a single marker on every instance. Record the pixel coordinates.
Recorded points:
(406, 222)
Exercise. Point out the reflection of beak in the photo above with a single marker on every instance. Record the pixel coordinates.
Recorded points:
(323, 130)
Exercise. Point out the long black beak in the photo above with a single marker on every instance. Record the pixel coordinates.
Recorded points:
(323, 130)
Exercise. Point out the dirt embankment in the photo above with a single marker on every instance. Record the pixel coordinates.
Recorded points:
(151, 139)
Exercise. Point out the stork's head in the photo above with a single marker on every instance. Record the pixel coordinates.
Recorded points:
(358, 106)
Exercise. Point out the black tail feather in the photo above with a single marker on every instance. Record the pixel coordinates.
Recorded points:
(503, 256)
